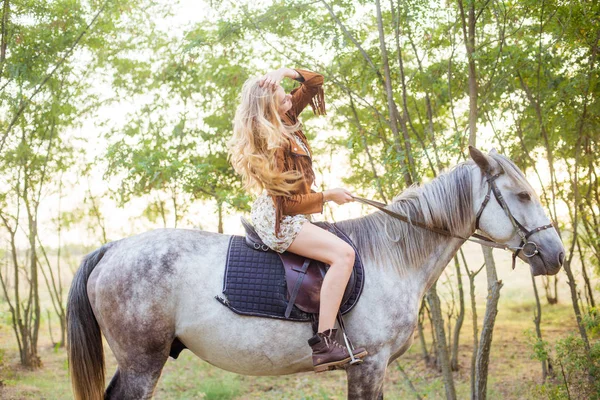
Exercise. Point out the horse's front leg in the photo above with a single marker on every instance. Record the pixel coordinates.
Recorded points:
(365, 381)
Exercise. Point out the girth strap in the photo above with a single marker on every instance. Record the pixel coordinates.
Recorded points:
(294, 293)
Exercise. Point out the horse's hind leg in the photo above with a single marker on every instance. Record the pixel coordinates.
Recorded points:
(140, 337)
(141, 351)
(138, 380)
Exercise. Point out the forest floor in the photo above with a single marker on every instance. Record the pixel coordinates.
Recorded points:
(513, 374)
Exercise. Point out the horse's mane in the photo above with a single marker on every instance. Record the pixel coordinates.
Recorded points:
(446, 202)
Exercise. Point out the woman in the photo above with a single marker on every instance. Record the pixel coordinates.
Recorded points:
(271, 153)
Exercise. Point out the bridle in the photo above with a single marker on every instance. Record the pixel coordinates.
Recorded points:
(528, 247)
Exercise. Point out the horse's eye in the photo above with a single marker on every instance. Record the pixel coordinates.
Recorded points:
(524, 196)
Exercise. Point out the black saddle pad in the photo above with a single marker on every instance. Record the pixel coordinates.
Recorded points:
(254, 282)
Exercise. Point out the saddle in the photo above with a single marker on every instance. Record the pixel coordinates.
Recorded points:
(304, 276)
(262, 282)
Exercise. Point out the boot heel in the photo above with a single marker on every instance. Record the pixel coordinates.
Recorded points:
(321, 368)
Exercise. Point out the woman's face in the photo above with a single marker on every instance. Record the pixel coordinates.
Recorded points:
(284, 101)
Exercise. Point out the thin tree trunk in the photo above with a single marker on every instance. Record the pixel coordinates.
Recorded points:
(55, 294)
(62, 316)
(442, 347)
(537, 319)
(96, 213)
(406, 114)
(487, 330)
(175, 206)
(421, 334)
(586, 279)
(3, 33)
(430, 127)
(468, 27)
(15, 310)
(392, 109)
(472, 275)
(460, 318)
(220, 214)
(33, 360)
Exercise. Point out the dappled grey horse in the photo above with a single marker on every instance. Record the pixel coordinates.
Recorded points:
(149, 291)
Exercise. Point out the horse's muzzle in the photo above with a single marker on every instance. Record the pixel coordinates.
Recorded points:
(546, 264)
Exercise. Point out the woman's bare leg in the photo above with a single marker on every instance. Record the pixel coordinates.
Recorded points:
(321, 245)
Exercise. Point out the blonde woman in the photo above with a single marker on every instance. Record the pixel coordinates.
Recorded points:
(270, 152)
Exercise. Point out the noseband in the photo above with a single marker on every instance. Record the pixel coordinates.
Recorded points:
(529, 247)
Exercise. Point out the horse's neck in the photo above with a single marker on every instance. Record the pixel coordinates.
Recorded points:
(433, 267)
(415, 278)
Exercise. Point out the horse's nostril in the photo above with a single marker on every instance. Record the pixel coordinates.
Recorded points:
(561, 258)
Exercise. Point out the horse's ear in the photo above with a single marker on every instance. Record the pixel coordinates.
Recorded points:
(486, 163)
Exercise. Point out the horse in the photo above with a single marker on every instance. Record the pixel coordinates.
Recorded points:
(155, 290)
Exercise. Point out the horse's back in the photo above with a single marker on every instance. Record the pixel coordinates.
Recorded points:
(158, 257)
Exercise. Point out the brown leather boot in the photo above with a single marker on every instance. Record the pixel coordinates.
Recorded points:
(328, 353)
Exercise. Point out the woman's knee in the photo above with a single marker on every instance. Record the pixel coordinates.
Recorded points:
(345, 256)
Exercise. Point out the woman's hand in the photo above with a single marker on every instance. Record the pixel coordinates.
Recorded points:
(273, 78)
(338, 195)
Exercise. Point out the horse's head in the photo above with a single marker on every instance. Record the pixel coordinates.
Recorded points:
(513, 214)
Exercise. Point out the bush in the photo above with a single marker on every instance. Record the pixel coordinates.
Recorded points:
(576, 371)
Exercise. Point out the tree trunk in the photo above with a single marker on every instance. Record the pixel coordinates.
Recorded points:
(32, 359)
(220, 214)
(468, 27)
(442, 347)
(460, 318)
(426, 356)
(537, 319)
(406, 116)
(472, 275)
(392, 109)
(588, 286)
(3, 34)
(487, 330)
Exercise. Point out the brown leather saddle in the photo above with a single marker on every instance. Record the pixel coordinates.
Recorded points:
(303, 276)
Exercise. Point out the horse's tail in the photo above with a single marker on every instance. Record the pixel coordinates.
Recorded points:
(84, 340)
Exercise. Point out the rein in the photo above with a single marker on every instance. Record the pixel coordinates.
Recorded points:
(529, 248)
(477, 238)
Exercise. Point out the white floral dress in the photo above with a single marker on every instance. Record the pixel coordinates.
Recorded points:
(263, 219)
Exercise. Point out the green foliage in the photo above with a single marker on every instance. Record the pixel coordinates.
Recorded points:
(591, 322)
(576, 371)
(540, 348)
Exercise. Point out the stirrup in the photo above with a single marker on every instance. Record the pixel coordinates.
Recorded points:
(353, 360)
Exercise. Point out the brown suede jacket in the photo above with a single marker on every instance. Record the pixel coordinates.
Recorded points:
(294, 157)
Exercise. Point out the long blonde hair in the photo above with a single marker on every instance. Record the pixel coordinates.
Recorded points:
(258, 134)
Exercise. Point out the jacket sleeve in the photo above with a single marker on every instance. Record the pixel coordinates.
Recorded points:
(310, 203)
(310, 92)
